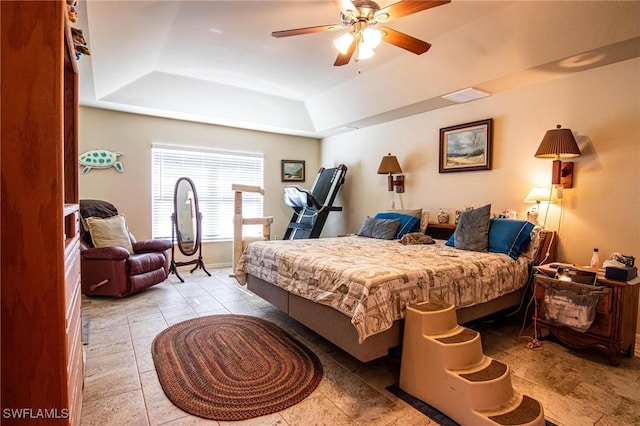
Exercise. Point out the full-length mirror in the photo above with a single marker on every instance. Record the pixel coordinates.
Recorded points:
(187, 220)
(186, 213)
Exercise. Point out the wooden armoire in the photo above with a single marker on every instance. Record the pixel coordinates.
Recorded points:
(41, 350)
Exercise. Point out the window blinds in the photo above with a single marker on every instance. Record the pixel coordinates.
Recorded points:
(213, 173)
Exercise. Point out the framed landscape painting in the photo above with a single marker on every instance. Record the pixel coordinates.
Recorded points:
(292, 171)
(466, 147)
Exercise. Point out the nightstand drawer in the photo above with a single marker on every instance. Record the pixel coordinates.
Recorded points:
(602, 325)
(604, 303)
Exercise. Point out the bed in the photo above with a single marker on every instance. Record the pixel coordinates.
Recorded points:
(353, 290)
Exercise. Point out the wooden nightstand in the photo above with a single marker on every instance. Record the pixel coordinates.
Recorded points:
(440, 231)
(614, 326)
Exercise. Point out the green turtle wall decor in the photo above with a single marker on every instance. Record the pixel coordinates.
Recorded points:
(100, 159)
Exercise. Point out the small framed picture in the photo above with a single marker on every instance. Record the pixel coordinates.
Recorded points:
(292, 171)
(466, 147)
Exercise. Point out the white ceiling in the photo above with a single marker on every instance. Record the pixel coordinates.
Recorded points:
(216, 61)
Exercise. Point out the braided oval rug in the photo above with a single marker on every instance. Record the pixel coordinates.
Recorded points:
(233, 367)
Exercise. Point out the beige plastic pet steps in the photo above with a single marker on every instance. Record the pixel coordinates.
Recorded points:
(444, 366)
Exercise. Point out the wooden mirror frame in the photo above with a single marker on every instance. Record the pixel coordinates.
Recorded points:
(176, 233)
(195, 215)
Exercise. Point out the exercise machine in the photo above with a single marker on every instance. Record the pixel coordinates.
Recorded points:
(311, 208)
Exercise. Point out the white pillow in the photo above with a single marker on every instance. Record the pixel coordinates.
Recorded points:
(109, 232)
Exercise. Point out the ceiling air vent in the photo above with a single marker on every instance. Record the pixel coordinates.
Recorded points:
(466, 95)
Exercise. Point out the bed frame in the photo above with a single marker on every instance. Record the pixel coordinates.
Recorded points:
(336, 327)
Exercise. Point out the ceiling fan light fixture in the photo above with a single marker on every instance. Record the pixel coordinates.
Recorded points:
(382, 17)
(371, 38)
(364, 52)
(343, 42)
(358, 16)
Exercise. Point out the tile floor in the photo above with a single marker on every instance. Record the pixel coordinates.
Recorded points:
(121, 386)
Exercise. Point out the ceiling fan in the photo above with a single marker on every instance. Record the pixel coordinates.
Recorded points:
(359, 16)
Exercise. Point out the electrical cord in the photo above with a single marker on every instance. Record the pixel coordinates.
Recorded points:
(534, 343)
(546, 212)
(529, 280)
(301, 214)
(534, 266)
(561, 214)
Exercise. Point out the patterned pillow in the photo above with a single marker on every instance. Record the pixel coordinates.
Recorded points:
(383, 229)
(410, 212)
(532, 249)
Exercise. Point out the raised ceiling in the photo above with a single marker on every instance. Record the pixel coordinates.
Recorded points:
(216, 61)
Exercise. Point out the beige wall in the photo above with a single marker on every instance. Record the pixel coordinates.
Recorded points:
(601, 106)
(133, 134)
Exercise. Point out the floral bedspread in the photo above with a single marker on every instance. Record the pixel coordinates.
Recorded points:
(372, 281)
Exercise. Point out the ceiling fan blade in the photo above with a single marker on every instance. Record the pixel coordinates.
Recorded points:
(308, 30)
(404, 41)
(344, 58)
(345, 6)
(404, 8)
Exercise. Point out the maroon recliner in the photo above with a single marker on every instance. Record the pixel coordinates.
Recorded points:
(113, 271)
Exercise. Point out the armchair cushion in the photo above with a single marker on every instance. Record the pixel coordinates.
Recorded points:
(151, 246)
(143, 263)
(109, 232)
(105, 253)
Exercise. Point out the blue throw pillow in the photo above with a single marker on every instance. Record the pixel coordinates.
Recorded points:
(508, 236)
(451, 242)
(408, 223)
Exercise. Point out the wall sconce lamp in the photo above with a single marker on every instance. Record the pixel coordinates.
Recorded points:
(390, 165)
(537, 195)
(559, 143)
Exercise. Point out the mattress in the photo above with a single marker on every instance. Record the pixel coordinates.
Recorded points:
(372, 281)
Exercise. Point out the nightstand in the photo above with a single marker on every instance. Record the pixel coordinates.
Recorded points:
(440, 231)
(614, 326)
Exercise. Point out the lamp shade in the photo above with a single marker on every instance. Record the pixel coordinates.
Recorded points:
(343, 42)
(538, 194)
(371, 38)
(389, 165)
(558, 143)
(364, 52)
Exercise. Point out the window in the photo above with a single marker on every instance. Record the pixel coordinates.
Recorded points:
(213, 173)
